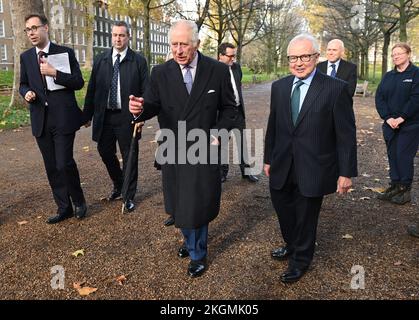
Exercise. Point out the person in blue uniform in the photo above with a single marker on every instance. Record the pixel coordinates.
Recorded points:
(397, 102)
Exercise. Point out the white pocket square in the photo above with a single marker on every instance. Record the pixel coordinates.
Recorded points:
(211, 91)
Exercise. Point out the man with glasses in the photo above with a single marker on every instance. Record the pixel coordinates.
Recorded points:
(227, 55)
(310, 151)
(335, 66)
(55, 116)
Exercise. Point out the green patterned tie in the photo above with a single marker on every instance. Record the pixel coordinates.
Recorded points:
(295, 101)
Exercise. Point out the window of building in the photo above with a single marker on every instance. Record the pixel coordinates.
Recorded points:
(3, 52)
(82, 21)
(75, 7)
(102, 41)
(1, 5)
(1, 28)
(76, 51)
(75, 20)
(95, 40)
(76, 38)
(83, 38)
(62, 35)
(106, 14)
(83, 55)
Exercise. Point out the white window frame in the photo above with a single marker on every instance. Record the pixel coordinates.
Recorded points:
(3, 33)
(4, 52)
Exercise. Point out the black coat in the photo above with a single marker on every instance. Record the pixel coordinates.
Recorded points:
(62, 104)
(133, 74)
(322, 144)
(238, 75)
(192, 192)
(347, 71)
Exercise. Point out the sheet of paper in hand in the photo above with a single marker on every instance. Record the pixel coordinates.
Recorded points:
(60, 62)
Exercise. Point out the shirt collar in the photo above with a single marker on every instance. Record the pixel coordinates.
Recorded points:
(46, 49)
(307, 80)
(123, 53)
(329, 64)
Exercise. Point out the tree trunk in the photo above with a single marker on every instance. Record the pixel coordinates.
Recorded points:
(403, 21)
(89, 26)
(134, 30)
(19, 9)
(147, 47)
(375, 61)
(386, 44)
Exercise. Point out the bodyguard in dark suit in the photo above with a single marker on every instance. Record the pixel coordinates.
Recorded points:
(310, 147)
(55, 116)
(196, 90)
(335, 66)
(227, 55)
(117, 73)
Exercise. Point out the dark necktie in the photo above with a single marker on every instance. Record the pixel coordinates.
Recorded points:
(333, 73)
(187, 79)
(113, 96)
(42, 54)
(295, 101)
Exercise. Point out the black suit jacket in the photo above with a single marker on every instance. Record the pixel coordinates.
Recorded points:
(347, 71)
(133, 74)
(61, 104)
(192, 191)
(322, 144)
(238, 75)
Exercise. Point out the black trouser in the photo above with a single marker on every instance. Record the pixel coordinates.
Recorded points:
(241, 145)
(62, 172)
(402, 145)
(116, 128)
(298, 216)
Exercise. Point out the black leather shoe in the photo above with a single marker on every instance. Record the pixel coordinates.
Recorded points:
(60, 217)
(251, 178)
(281, 253)
(115, 194)
(169, 221)
(183, 252)
(197, 267)
(129, 205)
(80, 212)
(293, 275)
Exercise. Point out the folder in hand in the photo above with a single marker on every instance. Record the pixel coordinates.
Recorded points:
(60, 62)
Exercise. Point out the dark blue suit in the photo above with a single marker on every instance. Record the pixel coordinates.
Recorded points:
(55, 117)
(307, 158)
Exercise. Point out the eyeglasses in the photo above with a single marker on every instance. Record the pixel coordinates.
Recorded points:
(398, 54)
(303, 58)
(33, 29)
(230, 55)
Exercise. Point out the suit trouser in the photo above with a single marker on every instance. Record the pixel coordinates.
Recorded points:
(196, 241)
(401, 150)
(298, 216)
(241, 146)
(115, 130)
(62, 172)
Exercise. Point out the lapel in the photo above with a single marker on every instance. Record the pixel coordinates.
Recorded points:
(107, 61)
(174, 75)
(202, 76)
(341, 69)
(287, 102)
(323, 67)
(315, 87)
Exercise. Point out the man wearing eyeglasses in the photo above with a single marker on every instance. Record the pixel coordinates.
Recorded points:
(227, 55)
(310, 151)
(55, 116)
(335, 66)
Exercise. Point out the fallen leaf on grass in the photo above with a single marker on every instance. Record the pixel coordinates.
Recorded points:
(12, 149)
(365, 198)
(85, 291)
(21, 223)
(78, 253)
(350, 190)
(347, 236)
(398, 263)
(78, 285)
(373, 189)
(366, 175)
(121, 280)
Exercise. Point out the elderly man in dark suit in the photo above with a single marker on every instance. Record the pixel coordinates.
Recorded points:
(117, 73)
(55, 116)
(310, 151)
(335, 66)
(195, 92)
(227, 55)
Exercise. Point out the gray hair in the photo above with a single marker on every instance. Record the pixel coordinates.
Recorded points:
(338, 41)
(302, 37)
(192, 26)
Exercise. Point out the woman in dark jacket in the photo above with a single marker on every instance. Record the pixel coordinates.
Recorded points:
(397, 102)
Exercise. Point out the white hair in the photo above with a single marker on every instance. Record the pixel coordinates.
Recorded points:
(338, 41)
(302, 37)
(192, 26)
